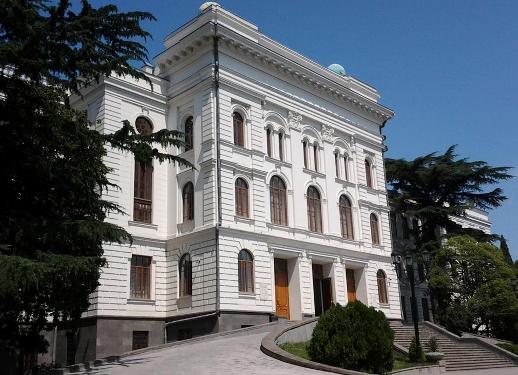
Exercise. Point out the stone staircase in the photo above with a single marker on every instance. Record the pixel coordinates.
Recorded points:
(458, 355)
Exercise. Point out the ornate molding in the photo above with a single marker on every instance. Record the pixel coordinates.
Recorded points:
(294, 120)
(327, 133)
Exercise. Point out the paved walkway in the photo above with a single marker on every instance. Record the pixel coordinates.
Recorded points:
(235, 354)
(227, 355)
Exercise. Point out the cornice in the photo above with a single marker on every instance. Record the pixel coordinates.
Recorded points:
(281, 59)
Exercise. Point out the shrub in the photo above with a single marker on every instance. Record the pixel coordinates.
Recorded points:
(433, 344)
(416, 353)
(354, 337)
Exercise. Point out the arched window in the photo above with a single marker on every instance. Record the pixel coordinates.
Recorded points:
(337, 164)
(368, 173)
(246, 271)
(185, 271)
(382, 287)
(188, 201)
(143, 180)
(346, 217)
(346, 170)
(241, 194)
(278, 202)
(315, 156)
(269, 142)
(188, 134)
(314, 210)
(375, 236)
(281, 146)
(239, 130)
(305, 152)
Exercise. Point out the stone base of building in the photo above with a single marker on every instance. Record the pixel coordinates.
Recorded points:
(103, 337)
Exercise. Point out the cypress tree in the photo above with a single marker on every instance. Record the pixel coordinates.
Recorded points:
(505, 250)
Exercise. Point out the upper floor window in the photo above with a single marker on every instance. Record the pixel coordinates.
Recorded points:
(368, 173)
(246, 271)
(140, 277)
(382, 287)
(188, 201)
(314, 210)
(337, 165)
(374, 230)
(305, 152)
(315, 156)
(239, 129)
(281, 146)
(143, 180)
(185, 275)
(241, 197)
(346, 217)
(188, 134)
(269, 142)
(346, 169)
(278, 201)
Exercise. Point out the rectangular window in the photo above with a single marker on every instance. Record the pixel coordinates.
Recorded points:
(269, 142)
(140, 340)
(140, 279)
(143, 186)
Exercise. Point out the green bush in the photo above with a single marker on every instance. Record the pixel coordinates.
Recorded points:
(354, 337)
(433, 344)
(416, 353)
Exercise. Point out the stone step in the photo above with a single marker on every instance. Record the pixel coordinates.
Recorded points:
(466, 367)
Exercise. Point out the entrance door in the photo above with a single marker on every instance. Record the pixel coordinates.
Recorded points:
(327, 293)
(282, 299)
(351, 285)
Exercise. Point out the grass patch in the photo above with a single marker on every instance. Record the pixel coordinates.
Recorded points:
(300, 349)
(513, 348)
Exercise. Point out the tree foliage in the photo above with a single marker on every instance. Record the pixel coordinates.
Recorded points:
(354, 337)
(505, 250)
(480, 287)
(52, 213)
(436, 187)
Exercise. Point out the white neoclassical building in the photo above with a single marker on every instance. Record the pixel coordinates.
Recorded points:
(284, 213)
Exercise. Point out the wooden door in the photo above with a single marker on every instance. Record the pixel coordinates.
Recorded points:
(351, 285)
(282, 299)
(327, 293)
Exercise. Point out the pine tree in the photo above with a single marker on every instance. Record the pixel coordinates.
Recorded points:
(52, 212)
(436, 187)
(505, 250)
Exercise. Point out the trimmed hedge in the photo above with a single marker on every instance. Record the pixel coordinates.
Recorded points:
(354, 337)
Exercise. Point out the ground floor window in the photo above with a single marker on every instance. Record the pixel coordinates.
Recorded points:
(140, 340)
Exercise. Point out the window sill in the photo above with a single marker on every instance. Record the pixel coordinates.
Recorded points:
(141, 224)
(247, 295)
(278, 161)
(140, 301)
(313, 173)
(343, 182)
(278, 226)
(184, 302)
(185, 227)
(384, 305)
(243, 219)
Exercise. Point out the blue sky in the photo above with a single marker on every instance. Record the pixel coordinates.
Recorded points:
(449, 69)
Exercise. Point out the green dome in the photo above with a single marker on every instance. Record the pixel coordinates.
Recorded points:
(207, 4)
(337, 68)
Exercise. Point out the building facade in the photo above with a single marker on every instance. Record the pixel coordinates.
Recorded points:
(284, 213)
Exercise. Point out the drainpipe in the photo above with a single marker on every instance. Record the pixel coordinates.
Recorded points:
(218, 157)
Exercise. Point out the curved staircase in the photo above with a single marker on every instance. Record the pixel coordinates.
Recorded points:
(459, 354)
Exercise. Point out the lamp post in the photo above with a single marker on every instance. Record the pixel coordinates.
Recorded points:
(409, 261)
